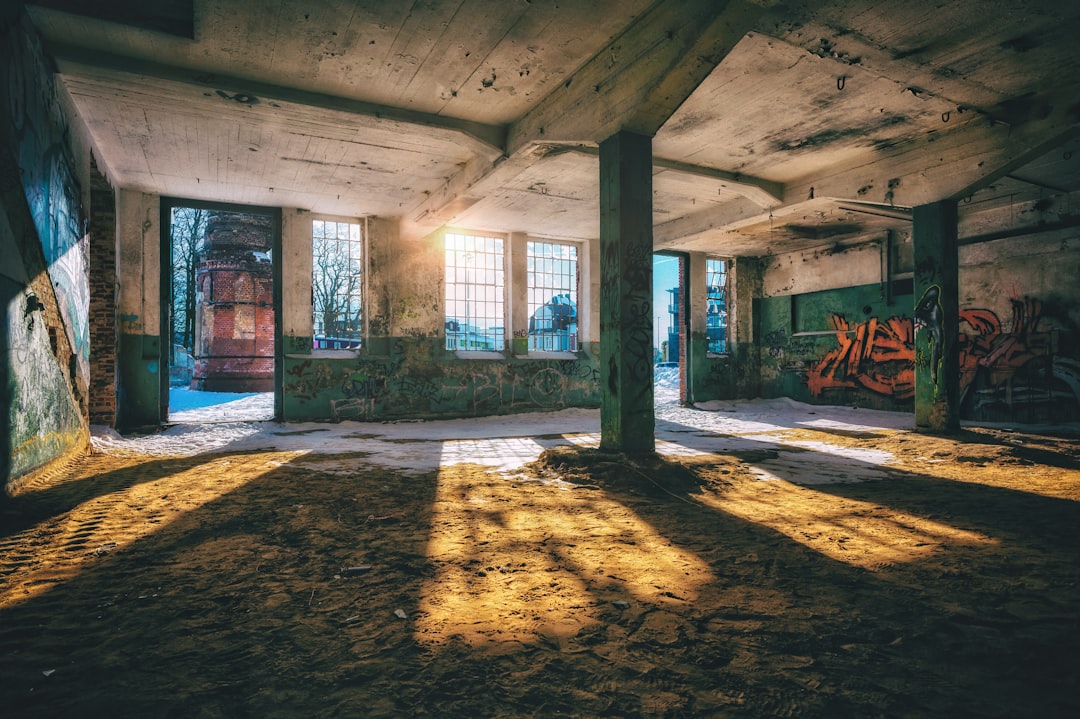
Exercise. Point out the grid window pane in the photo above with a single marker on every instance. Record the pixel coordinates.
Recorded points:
(716, 318)
(552, 269)
(336, 284)
(475, 292)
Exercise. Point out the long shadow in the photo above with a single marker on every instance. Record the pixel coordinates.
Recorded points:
(976, 506)
(242, 608)
(30, 507)
(966, 632)
(238, 608)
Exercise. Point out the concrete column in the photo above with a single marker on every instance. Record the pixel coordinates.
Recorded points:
(937, 321)
(626, 332)
(296, 260)
(138, 245)
(517, 293)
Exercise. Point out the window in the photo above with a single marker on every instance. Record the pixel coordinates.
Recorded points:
(475, 293)
(716, 306)
(552, 270)
(336, 284)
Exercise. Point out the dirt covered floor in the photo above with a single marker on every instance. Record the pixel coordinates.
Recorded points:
(280, 583)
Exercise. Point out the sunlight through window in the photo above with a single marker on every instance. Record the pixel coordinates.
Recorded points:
(847, 530)
(59, 548)
(508, 571)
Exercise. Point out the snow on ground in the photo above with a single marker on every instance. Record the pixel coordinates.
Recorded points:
(506, 443)
(189, 405)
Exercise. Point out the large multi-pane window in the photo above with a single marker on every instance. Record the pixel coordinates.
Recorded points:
(337, 284)
(552, 269)
(716, 318)
(475, 293)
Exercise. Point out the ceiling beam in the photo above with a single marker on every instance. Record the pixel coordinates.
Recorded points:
(714, 219)
(946, 164)
(480, 178)
(762, 192)
(484, 140)
(638, 80)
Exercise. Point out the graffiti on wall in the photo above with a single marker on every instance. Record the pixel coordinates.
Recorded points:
(875, 355)
(929, 314)
(40, 139)
(1016, 362)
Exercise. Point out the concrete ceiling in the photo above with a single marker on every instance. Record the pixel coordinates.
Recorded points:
(777, 126)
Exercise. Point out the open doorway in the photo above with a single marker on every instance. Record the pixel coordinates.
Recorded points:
(220, 319)
(668, 333)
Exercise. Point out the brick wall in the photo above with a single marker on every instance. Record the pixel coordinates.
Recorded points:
(234, 349)
(684, 327)
(102, 320)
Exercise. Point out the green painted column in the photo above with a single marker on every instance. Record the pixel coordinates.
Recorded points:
(626, 333)
(937, 318)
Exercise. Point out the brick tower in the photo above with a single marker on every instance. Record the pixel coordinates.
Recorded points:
(234, 306)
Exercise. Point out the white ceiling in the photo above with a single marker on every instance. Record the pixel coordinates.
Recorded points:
(770, 119)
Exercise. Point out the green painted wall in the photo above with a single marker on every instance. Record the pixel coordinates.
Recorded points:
(841, 347)
(732, 376)
(138, 381)
(44, 286)
(416, 378)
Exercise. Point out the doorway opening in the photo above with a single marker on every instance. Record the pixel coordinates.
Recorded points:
(220, 319)
(669, 333)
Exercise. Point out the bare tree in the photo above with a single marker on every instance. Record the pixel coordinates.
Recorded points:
(188, 233)
(335, 282)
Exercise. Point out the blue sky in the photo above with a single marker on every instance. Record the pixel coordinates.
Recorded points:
(665, 277)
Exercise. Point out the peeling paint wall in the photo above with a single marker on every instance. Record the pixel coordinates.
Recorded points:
(44, 287)
(735, 375)
(138, 310)
(1019, 340)
(404, 370)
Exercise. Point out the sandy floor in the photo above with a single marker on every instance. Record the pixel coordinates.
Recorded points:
(773, 560)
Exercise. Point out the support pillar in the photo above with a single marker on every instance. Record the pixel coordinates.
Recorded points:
(937, 317)
(626, 332)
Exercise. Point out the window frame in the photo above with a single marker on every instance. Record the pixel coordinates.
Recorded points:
(709, 299)
(502, 267)
(579, 249)
(363, 340)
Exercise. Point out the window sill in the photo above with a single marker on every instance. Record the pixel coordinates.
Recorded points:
(327, 354)
(478, 355)
(550, 354)
(714, 355)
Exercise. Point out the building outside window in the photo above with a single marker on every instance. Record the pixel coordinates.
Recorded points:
(716, 307)
(475, 293)
(337, 284)
(552, 273)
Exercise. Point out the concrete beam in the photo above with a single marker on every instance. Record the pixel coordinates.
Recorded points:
(642, 76)
(764, 193)
(944, 164)
(484, 140)
(715, 218)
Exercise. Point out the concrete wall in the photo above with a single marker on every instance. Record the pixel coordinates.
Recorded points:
(833, 333)
(138, 309)
(44, 289)
(404, 370)
(735, 374)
